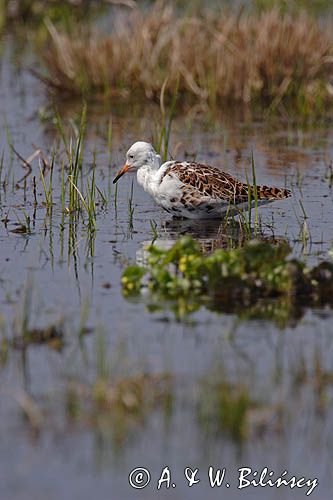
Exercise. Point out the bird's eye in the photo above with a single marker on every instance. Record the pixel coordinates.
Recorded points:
(131, 157)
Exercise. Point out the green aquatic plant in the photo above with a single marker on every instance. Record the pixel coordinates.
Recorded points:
(87, 202)
(328, 176)
(130, 209)
(1, 169)
(245, 220)
(48, 190)
(109, 142)
(227, 279)
(81, 199)
(153, 227)
(167, 117)
(183, 269)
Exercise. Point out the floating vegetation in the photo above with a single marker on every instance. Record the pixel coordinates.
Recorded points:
(272, 59)
(232, 280)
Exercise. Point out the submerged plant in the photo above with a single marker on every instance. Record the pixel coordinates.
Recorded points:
(119, 405)
(52, 336)
(225, 408)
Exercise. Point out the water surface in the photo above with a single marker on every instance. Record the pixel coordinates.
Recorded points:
(78, 284)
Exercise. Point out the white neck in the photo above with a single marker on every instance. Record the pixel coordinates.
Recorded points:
(146, 174)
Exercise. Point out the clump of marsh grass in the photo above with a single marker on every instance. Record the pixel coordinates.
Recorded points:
(121, 404)
(271, 58)
(80, 200)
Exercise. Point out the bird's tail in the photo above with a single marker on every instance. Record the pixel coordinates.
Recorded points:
(272, 193)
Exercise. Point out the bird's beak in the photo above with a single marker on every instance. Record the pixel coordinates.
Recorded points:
(121, 173)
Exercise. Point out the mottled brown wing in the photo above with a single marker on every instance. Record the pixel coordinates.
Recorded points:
(214, 183)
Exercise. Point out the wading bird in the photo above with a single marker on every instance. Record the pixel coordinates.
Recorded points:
(193, 190)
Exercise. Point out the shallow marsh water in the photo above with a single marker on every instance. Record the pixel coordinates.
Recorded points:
(65, 283)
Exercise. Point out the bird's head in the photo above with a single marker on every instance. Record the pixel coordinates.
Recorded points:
(139, 154)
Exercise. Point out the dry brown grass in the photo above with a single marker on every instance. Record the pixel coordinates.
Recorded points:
(269, 58)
